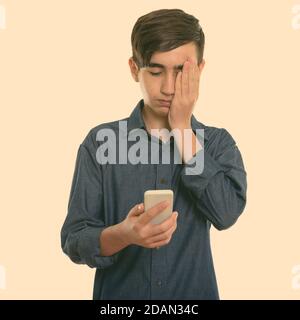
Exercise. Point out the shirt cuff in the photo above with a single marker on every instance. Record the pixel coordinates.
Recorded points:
(199, 170)
(90, 251)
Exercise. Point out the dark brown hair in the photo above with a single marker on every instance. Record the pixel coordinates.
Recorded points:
(164, 30)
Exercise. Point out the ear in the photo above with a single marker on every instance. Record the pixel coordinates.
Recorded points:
(133, 69)
(201, 65)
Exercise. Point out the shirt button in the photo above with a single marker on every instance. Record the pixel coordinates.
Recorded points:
(159, 283)
(163, 181)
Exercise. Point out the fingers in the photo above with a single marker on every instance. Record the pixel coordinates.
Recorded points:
(163, 236)
(165, 225)
(162, 239)
(140, 208)
(151, 213)
(192, 79)
(178, 84)
(137, 209)
(185, 79)
(194, 76)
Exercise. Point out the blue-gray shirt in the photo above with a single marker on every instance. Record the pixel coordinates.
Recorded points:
(102, 195)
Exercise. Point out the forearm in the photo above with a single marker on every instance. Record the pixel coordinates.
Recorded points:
(220, 190)
(112, 240)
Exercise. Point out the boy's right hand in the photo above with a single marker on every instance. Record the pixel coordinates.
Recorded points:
(137, 228)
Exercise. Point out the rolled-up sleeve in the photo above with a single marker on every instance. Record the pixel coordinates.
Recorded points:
(80, 233)
(219, 192)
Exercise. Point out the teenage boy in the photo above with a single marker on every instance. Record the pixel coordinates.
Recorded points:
(107, 227)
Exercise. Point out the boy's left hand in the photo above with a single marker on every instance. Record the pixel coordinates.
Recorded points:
(186, 94)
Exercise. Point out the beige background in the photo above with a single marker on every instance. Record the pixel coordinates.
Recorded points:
(64, 69)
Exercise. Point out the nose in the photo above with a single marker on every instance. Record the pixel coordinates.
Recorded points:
(168, 84)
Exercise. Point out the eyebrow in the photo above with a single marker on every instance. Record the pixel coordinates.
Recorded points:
(158, 65)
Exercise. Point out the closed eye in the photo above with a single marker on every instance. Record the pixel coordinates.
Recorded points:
(155, 73)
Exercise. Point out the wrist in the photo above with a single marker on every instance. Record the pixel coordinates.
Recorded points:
(181, 126)
(123, 234)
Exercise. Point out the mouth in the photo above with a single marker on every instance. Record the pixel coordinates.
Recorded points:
(165, 103)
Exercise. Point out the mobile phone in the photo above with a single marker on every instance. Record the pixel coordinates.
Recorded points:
(153, 197)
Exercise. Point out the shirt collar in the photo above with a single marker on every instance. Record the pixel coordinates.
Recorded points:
(136, 121)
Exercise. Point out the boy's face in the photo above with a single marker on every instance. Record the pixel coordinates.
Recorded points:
(158, 82)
